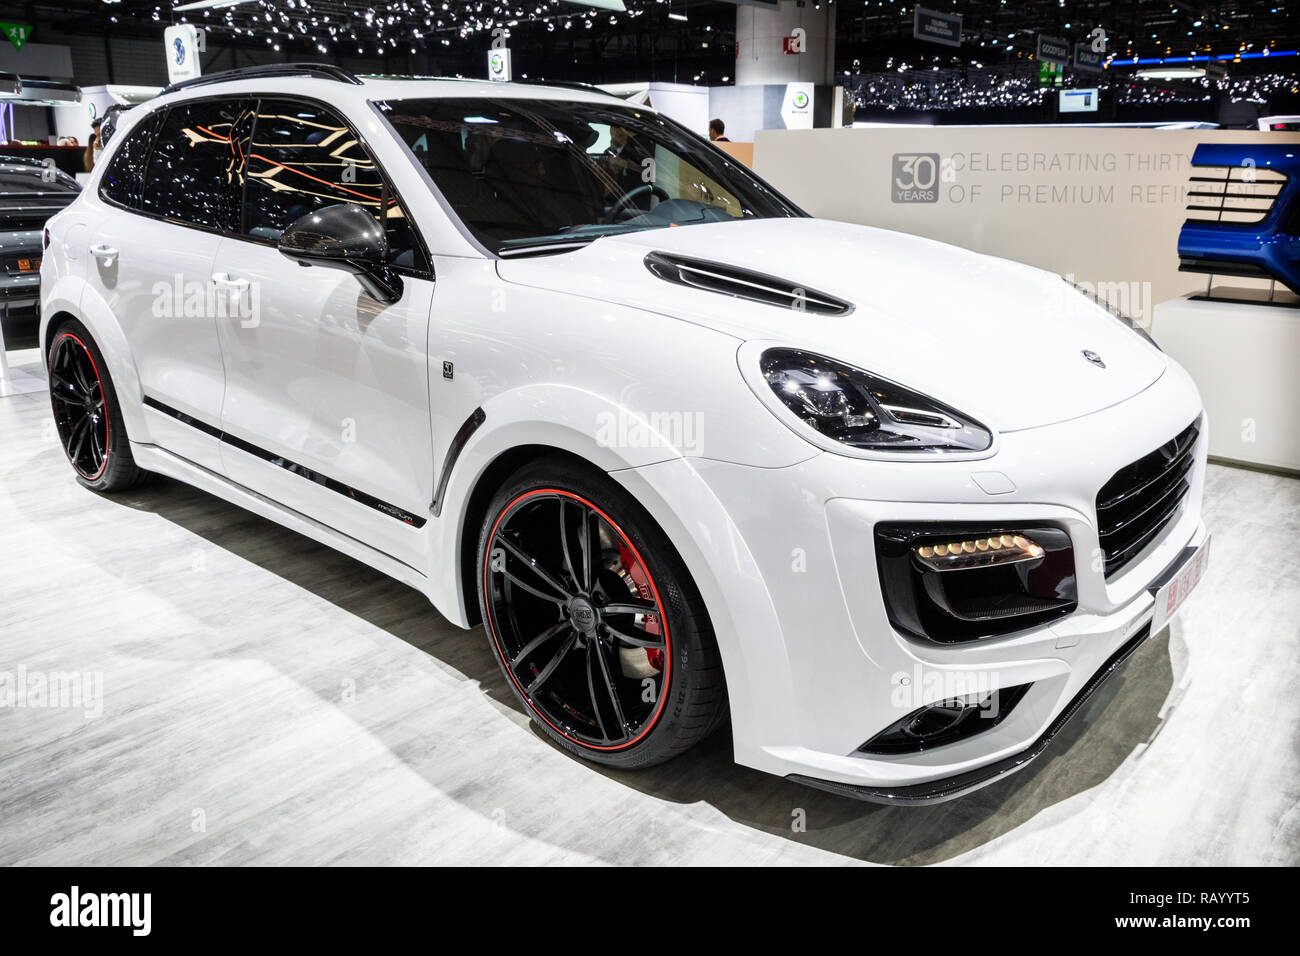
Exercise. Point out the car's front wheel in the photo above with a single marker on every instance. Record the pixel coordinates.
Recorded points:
(594, 619)
(86, 412)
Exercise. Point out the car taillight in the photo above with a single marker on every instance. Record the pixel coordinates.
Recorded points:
(45, 238)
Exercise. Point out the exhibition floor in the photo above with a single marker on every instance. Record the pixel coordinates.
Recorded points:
(266, 700)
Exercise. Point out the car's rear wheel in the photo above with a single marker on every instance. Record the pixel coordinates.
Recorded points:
(86, 413)
(594, 619)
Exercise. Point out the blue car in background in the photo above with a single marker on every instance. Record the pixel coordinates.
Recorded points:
(1244, 208)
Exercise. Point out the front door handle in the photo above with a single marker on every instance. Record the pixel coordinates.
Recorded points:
(236, 302)
(223, 280)
(226, 281)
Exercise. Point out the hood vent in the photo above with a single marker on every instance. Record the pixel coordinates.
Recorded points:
(744, 284)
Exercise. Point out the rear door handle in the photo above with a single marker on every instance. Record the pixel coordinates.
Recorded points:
(102, 251)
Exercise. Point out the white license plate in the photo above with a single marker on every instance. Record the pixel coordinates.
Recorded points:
(1174, 592)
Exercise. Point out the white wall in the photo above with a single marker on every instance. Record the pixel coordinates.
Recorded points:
(1104, 204)
(688, 105)
(760, 36)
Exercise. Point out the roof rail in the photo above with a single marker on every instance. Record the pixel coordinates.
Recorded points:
(325, 71)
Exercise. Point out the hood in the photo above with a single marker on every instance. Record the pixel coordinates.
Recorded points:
(999, 341)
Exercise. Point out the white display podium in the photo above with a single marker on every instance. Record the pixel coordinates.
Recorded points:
(1243, 350)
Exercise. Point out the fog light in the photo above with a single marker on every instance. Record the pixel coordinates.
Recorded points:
(965, 581)
(978, 552)
(945, 722)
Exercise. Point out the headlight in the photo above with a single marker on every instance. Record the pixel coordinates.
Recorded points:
(865, 411)
(1091, 293)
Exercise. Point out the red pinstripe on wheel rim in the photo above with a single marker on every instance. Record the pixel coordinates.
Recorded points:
(520, 600)
(80, 405)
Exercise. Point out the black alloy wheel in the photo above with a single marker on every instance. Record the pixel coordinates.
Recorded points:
(586, 630)
(77, 394)
(87, 417)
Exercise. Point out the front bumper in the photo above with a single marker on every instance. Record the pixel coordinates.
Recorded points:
(948, 788)
(785, 559)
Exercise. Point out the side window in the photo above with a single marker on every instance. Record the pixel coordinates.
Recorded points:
(303, 157)
(124, 176)
(194, 172)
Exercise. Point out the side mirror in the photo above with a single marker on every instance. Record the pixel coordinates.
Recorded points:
(344, 237)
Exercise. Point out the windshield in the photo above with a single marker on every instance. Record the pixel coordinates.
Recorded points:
(530, 176)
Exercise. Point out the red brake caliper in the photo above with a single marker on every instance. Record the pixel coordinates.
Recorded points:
(638, 576)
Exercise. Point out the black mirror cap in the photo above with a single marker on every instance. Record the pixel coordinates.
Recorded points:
(344, 236)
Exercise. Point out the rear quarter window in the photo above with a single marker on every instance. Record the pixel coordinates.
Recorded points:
(123, 179)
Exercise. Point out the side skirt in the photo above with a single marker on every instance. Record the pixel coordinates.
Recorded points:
(153, 458)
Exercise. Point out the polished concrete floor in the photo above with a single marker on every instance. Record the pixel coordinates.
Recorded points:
(268, 701)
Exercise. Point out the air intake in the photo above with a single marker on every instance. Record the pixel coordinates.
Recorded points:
(1139, 501)
(744, 284)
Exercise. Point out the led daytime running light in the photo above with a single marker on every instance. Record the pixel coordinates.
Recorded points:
(978, 552)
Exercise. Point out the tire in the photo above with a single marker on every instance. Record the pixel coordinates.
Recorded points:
(624, 688)
(87, 415)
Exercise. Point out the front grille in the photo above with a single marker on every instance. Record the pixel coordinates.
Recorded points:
(1136, 504)
(1243, 195)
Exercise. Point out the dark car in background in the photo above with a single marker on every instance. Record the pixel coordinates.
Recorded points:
(30, 193)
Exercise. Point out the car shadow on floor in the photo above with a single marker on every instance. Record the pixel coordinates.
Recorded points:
(1123, 715)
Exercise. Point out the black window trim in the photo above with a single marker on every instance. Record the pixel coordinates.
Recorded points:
(163, 111)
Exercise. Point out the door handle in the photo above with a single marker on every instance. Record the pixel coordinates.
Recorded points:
(236, 301)
(102, 251)
(224, 280)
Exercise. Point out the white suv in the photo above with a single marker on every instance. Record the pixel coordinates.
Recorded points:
(892, 507)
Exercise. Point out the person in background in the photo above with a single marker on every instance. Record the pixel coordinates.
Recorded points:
(625, 158)
(716, 130)
(92, 146)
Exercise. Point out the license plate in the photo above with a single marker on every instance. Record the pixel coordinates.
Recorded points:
(1172, 594)
(29, 265)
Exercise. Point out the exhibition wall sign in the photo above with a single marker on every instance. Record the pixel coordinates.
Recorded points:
(18, 33)
(181, 46)
(1053, 50)
(797, 110)
(1086, 59)
(499, 64)
(937, 27)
